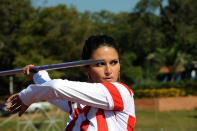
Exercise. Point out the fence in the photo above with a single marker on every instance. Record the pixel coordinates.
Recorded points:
(40, 120)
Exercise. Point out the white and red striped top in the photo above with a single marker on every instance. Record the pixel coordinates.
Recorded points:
(107, 106)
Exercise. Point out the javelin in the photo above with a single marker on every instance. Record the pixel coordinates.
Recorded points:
(52, 67)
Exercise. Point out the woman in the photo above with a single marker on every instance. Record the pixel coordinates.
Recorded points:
(100, 104)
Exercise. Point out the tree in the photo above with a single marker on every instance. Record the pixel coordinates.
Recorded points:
(173, 59)
(171, 33)
(13, 15)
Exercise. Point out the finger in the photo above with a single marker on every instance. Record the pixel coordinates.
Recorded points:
(27, 71)
(14, 106)
(11, 98)
(13, 101)
(24, 70)
(27, 68)
(15, 110)
(8, 106)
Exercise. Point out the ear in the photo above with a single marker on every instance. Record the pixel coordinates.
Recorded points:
(120, 62)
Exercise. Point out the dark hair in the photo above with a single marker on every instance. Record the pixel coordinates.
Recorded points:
(94, 42)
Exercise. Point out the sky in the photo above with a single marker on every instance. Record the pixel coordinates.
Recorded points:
(114, 6)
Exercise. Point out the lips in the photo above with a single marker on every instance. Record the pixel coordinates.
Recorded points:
(109, 79)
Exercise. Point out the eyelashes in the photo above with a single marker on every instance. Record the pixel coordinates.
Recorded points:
(113, 62)
(100, 64)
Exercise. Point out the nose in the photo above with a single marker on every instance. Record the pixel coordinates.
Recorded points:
(108, 70)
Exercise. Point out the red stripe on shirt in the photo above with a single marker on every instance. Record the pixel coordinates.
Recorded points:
(85, 124)
(131, 123)
(101, 120)
(117, 99)
(131, 120)
(75, 117)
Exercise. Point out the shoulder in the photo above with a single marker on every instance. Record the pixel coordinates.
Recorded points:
(127, 87)
(119, 89)
(112, 86)
(120, 94)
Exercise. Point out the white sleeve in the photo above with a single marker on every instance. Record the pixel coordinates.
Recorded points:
(42, 77)
(62, 104)
(92, 94)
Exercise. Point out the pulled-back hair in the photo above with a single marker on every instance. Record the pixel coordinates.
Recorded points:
(94, 42)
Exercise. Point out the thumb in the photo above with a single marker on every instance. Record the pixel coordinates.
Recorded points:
(23, 109)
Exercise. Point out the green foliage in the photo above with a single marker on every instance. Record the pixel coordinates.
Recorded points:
(165, 89)
(129, 73)
(154, 93)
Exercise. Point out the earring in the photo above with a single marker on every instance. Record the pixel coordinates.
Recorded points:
(88, 77)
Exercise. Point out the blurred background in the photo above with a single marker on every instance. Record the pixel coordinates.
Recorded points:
(157, 41)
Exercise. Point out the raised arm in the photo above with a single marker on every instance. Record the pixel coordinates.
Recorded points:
(109, 96)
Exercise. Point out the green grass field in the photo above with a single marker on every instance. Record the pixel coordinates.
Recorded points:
(166, 121)
(145, 121)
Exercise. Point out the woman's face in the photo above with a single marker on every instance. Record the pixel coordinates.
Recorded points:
(107, 71)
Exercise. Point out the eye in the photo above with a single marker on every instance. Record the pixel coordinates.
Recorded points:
(114, 62)
(100, 64)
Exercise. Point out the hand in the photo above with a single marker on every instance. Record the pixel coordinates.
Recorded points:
(26, 70)
(15, 105)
